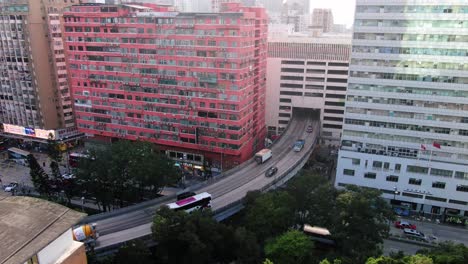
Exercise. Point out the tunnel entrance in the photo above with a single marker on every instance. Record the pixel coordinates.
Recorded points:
(310, 113)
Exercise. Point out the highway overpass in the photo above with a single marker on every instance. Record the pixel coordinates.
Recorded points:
(227, 190)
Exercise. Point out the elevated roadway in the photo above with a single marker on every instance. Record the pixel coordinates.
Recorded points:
(227, 191)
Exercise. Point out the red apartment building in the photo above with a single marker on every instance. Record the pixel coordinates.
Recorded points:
(193, 83)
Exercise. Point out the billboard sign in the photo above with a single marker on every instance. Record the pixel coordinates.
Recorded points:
(28, 131)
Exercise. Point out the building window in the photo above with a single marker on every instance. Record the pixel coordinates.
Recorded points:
(440, 172)
(377, 164)
(356, 161)
(392, 178)
(370, 175)
(458, 202)
(348, 172)
(386, 165)
(462, 188)
(412, 195)
(414, 181)
(439, 185)
(417, 169)
(435, 198)
(461, 175)
(397, 167)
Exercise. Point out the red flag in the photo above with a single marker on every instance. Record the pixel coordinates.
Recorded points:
(436, 145)
(423, 147)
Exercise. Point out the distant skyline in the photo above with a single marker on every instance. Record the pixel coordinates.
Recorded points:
(343, 10)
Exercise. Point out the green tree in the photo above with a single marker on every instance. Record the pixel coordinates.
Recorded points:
(314, 199)
(361, 215)
(415, 259)
(125, 172)
(448, 253)
(292, 247)
(93, 177)
(326, 261)
(39, 178)
(270, 214)
(199, 237)
(134, 252)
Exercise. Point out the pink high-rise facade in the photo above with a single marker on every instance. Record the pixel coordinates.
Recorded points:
(193, 83)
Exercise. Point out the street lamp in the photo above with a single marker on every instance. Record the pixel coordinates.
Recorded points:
(82, 204)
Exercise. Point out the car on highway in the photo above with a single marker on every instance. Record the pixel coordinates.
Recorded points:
(11, 187)
(271, 171)
(411, 233)
(404, 224)
(309, 129)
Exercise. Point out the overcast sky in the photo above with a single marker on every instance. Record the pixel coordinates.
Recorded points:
(343, 10)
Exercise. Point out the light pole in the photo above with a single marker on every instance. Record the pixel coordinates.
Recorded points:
(82, 204)
(222, 159)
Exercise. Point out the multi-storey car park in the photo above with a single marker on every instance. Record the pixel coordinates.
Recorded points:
(406, 117)
(307, 73)
(194, 83)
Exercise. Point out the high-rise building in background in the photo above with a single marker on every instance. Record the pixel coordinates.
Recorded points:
(194, 83)
(322, 21)
(34, 92)
(307, 73)
(272, 6)
(301, 6)
(406, 118)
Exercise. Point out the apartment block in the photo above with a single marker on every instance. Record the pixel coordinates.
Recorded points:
(322, 20)
(34, 92)
(406, 117)
(308, 73)
(193, 83)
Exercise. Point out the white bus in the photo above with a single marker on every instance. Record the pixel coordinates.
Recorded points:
(18, 155)
(192, 203)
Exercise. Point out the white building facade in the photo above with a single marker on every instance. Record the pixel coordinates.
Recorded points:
(309, 73)
(406, 117)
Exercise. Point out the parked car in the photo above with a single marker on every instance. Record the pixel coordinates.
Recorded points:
(10, 187)
(271, 171)
(309, 129)
(404, 224)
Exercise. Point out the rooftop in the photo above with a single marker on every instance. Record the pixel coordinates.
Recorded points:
(28, 224)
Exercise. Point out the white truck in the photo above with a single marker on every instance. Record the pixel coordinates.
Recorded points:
(263, 155)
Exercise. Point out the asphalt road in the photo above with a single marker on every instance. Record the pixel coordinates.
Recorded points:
(225, 191)
(441, 231)
(395, 246)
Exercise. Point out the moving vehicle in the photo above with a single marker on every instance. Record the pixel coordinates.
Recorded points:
(184, 195)
(11, 187)
(271, 171)
(309, 129)
(87, 234)
(68, 176)
(319, 234)
(75, 157)
(263, 155)
(404, 224)
(299, 145)
(414, 234)
(18, 155)
(197, 202)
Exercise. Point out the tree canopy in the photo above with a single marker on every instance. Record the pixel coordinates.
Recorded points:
(125, 172)
(292, 247)
(355, 214)
(201, 239)
(270, 214)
